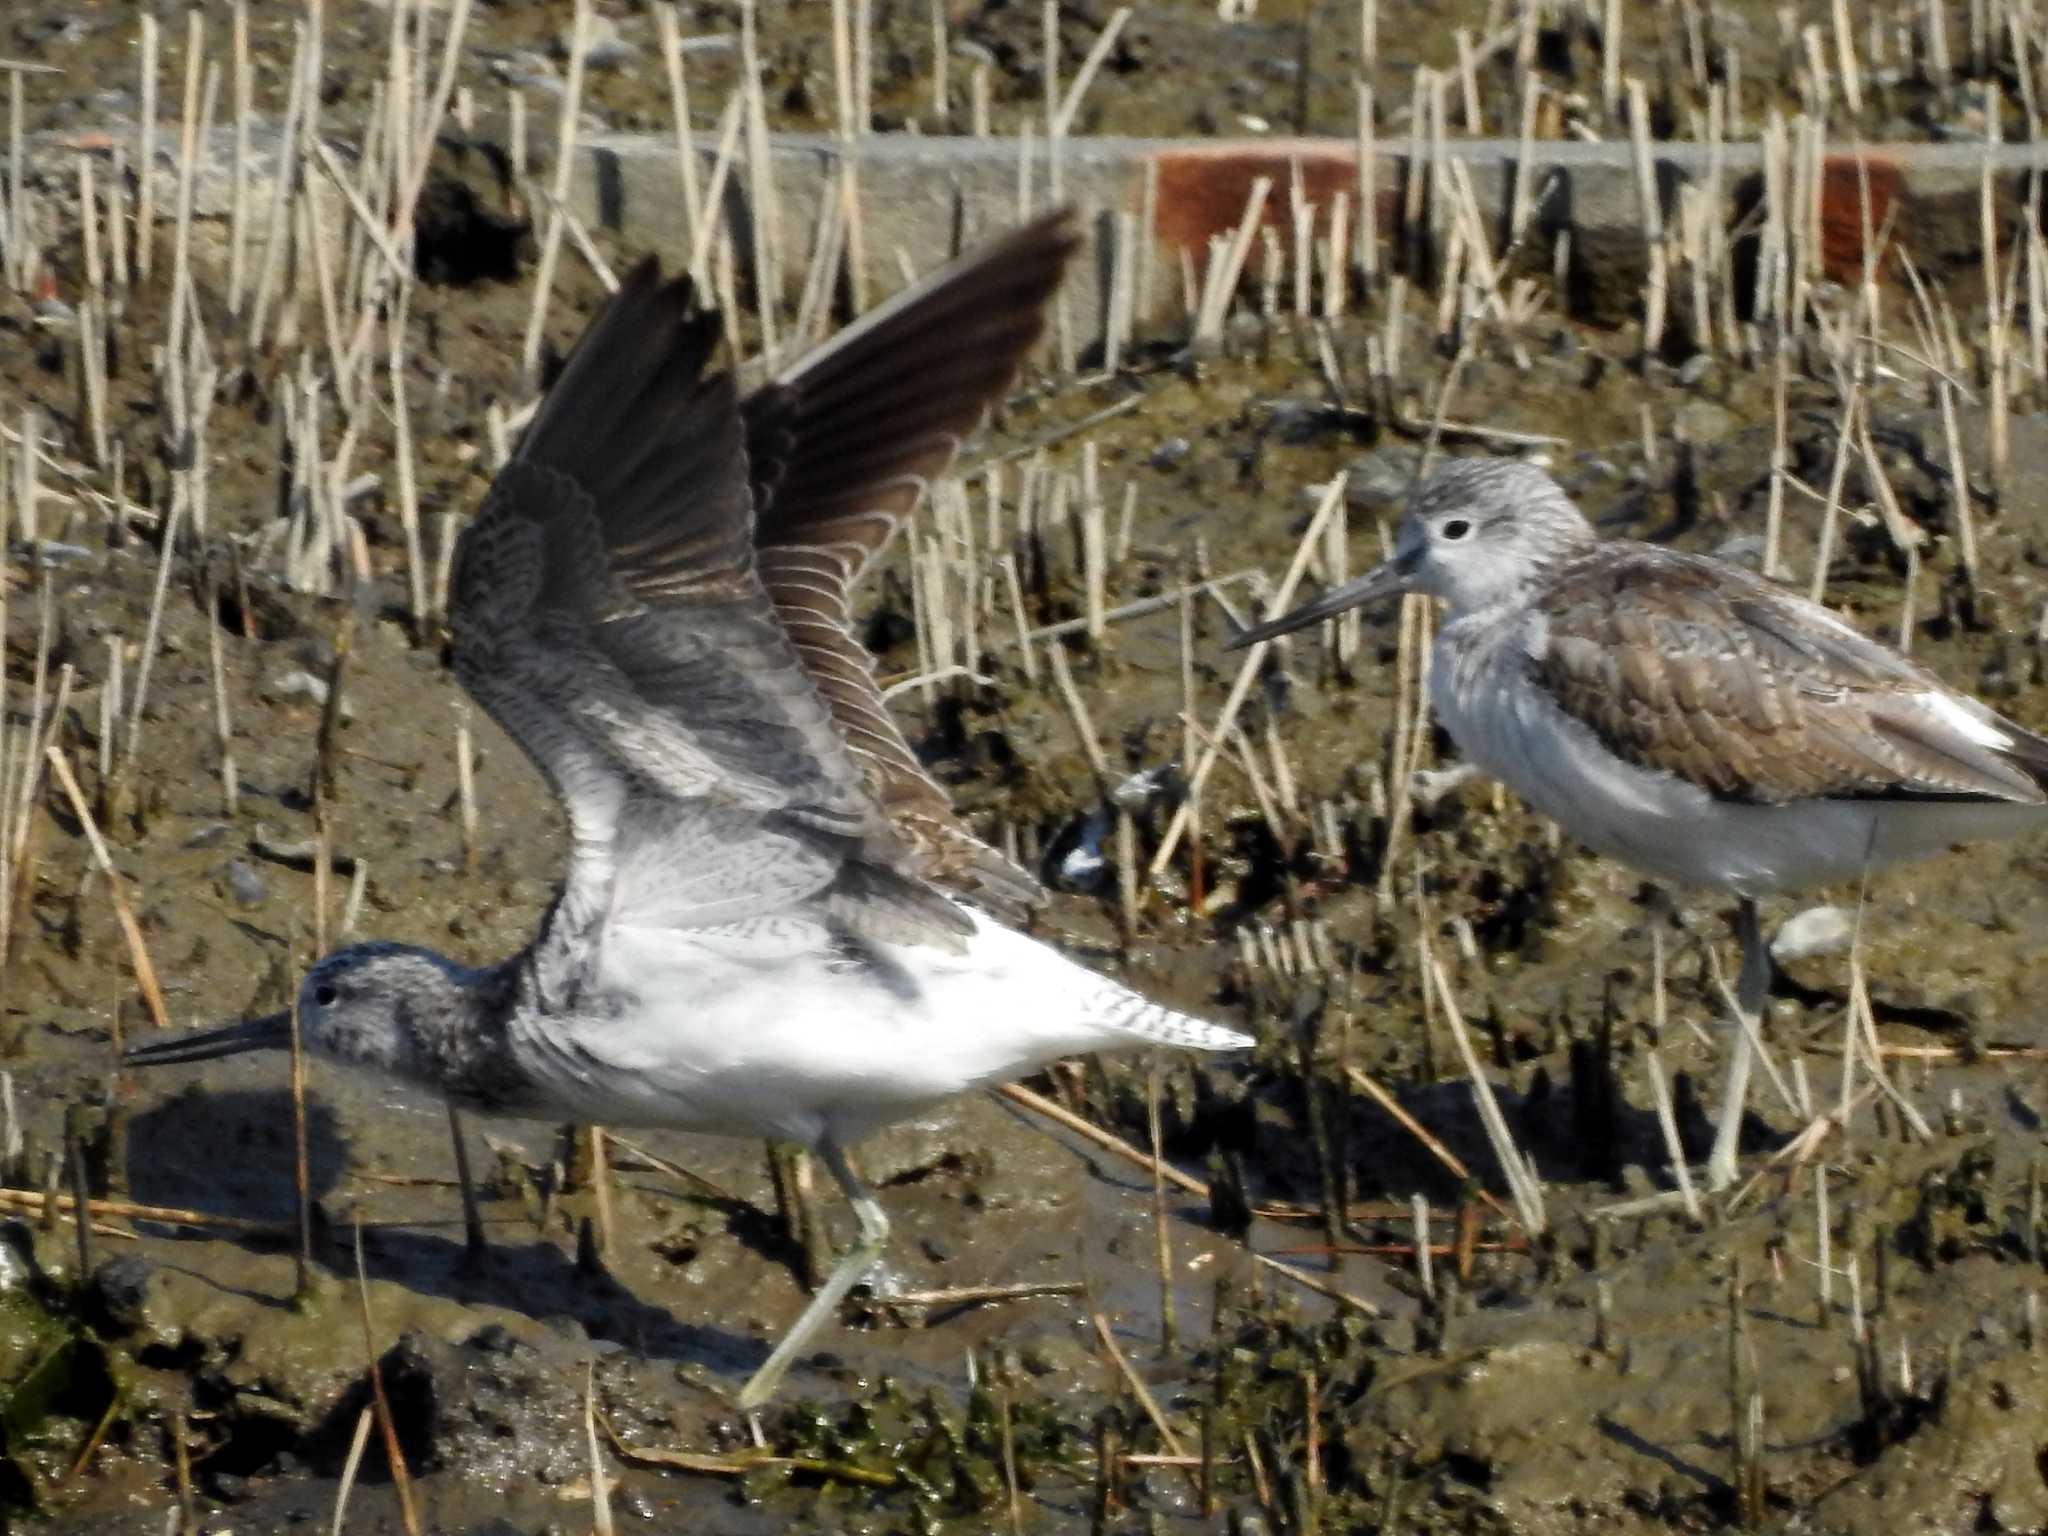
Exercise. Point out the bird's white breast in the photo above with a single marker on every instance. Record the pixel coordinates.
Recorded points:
(768, 1028)
(1507, 723)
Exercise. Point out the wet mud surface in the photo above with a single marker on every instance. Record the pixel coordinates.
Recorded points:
(1852, 1343)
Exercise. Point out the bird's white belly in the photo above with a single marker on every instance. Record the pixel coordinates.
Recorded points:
(733, 1034)
(1670, 828)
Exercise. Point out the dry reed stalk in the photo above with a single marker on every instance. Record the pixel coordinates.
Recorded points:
(1845, 440)
(230, 781)
(978, 103)
(1959, 483)
(1423, 1251)
(408, 488)
(1781, 462)
(419, 161)
(976, 1295)
(371, 227)
(127, 1210)
(1674, 1148)
(942, 106)
(667, 25)
(1062, 119)
(313, 239)
(568, 124)
(600, 1485)
(238, 191)
(1220, 280)
(743, 1463)
(1014, 586)
(1415, 1128)
(189, 139)
(1656, 289)
(601, 1187)
(1169, 1331)
(714, 194)
(1301, 250)
(1610, 61)
(1323, 1288)
(1845, 55)
(1018, 1094)
(145, 153)
(1136, 1386)
(401, 1476)
(89, 229)
(1748, 1024)
(349, 1469)
(19, 252)
(92, 358)
(465, 787)
(131, 931)
(1864, 1026)
(763, 203)
(1522, 1186)
(2000, 445)
(277, 228)
(1122, 276)
(1333, 498)
(1935, 55)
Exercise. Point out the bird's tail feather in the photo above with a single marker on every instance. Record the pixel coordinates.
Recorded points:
(1142, 1019)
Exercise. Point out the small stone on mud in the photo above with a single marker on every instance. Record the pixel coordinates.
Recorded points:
(1810, 934)
(1055, 1355)
(120, 1291)
(1702, 421)
(1745, 549)
(244, 883)
(296, 684)
(1171, 452)
(604, 48)
(1381, 478)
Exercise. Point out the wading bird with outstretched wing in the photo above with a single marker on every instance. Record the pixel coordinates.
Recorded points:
(761, 931)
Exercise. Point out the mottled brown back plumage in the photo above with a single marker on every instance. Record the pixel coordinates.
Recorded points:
(1705, 670)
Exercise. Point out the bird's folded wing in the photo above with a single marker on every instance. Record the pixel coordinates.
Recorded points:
(1695, 668)
(842, 448)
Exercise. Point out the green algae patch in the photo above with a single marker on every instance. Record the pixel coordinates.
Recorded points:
(58, 1382)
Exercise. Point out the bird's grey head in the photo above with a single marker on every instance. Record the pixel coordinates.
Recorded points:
(1475, 531)
(1479, 530)
(379, 1006)
(386, 1007)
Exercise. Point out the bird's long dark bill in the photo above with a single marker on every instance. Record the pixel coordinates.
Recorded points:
(271, 1032)
(1376, 585)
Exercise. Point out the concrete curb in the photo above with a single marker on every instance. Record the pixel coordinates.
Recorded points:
(925, 197)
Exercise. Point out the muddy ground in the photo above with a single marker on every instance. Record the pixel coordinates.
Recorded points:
(1603, 1377)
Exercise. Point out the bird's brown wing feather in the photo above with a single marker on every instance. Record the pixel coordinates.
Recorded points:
(843, 448)
(607, 611)
(1696, 668)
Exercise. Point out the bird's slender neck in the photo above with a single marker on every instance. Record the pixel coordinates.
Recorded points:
(460, 1045)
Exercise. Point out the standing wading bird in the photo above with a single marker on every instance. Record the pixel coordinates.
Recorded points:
(1684, 715)
(755, 936)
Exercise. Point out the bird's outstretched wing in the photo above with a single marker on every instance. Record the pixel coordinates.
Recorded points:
(842, 447)
(1688, 665)
(609, 610)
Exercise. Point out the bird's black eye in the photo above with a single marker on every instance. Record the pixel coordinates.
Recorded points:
(1456, 528)
(324, 996)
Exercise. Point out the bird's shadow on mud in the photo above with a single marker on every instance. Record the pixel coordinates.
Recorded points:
(231, 1154)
